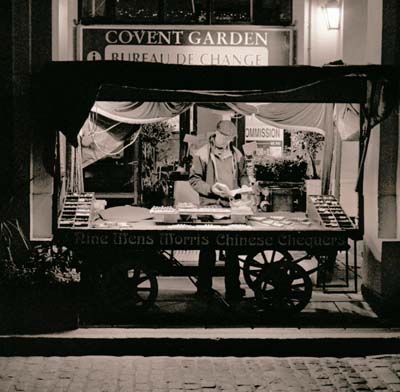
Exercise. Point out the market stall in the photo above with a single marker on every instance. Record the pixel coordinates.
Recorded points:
(265, 241)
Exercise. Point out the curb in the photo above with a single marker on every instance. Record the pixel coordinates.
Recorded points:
(203, 342)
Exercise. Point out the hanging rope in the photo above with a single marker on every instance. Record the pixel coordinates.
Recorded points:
(93, 132)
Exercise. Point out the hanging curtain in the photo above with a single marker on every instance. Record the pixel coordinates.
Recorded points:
(140, 112)
(112, 124)
(292, 116)
(347, 120)
(101, 137)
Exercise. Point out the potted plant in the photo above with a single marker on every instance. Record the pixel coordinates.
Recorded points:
(280, 169)
(37, 291)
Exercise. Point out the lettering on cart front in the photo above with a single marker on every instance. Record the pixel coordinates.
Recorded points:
(126, 238)
(119, 239)
(83, 238)
(188, 240)
(291, 241)
(236, 240)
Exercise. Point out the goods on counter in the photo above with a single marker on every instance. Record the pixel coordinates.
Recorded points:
(166, 214)
(327, 211)
(214, 210)
(182, 205)
(234, 227)
(270, 222)
(257, 218)
(306, 223)
(282, 221)
(101, 224)
(171, 214)
(163, 210)
(301, 219)
(77, 210)
(277, 217)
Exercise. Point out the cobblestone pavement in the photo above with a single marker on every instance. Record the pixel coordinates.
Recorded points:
(206, 374)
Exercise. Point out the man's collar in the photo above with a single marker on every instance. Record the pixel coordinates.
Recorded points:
(223, 155)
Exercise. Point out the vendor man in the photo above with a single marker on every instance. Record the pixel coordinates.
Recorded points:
(217, 168)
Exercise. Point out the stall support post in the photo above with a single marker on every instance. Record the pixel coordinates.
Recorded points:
(364, 141)
(360, 180)
(355, 267)
(184, 127)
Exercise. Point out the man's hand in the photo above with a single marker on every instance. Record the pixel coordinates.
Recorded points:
(221, 190)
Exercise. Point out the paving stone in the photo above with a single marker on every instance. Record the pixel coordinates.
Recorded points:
(387, 375)
(178, 374)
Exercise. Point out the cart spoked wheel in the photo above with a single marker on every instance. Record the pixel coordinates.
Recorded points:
(129, 289)
(256, 262)
(283, 288)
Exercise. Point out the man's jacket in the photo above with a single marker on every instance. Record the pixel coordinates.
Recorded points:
(203, 174)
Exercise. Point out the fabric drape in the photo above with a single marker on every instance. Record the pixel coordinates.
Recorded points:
(292, 116)
(101, 137)
(140, 112)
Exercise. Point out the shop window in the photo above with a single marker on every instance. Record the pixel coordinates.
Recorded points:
(273, 12)
(96, 11)
(261, 12)
(186, 11)
(137, 11)
(93, 8)
(229, 12)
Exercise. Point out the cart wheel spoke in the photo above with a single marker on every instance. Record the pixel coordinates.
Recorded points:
(255, 263)
(145, 289)
(141, 279)
(259, 261)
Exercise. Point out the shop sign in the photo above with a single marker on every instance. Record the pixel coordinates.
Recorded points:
(189, 45)
(269, 139)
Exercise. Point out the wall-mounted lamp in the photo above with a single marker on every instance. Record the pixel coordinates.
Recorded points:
(332, 12)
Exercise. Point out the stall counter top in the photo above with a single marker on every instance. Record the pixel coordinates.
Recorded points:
(272, 221)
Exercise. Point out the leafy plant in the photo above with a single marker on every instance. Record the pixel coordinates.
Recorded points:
(47, 265)
(154, 141)
(156, 133)
(21, 265)
(280, 169)
(306, 145)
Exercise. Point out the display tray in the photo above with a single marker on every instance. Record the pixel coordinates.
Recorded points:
(77, 210)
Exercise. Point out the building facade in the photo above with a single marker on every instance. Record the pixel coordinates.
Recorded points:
(35, 32)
